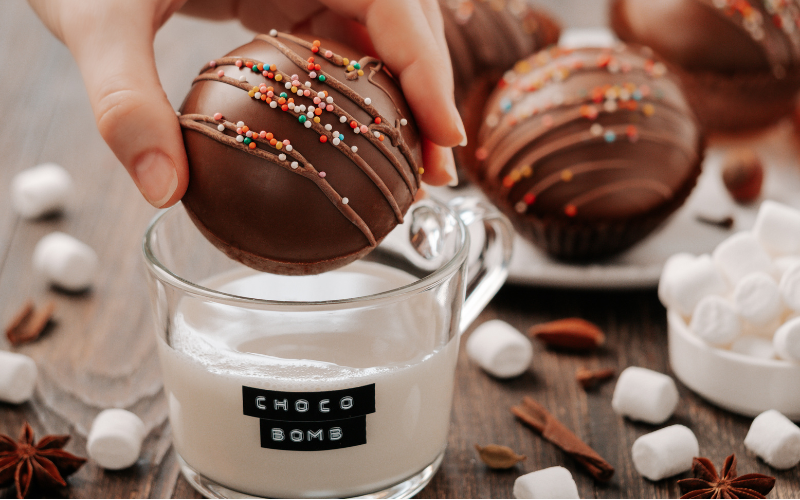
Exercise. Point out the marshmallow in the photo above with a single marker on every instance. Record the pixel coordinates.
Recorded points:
(669, 274)
(777, 227)
(787, 341)
(665, 452)
(783, 264)
(775, 439)
(115, 439)
(40, 190)
(65, 261)
(645, 395)
(756, 347)
(693, 280)
(740, 255)
(17, 377)
(500, 349)
(715, 321)
(553, 482)
(758, 299)
(790, 287)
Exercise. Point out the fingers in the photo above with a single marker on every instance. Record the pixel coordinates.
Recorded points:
(132, 112)
(439, 165)
(403, 38)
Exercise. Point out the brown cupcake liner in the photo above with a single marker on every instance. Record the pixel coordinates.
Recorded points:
(727, 103)
(582, 241)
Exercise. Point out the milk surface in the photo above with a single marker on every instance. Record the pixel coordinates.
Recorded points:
(404, 349)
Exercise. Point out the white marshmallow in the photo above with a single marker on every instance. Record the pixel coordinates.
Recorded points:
(17, 377)
(777, 227)
(553, 482)
(693, 280)
(715, 321)
(756, 347)
(665, 452)
(758, 299)
(740, 255)
(669, 274)
(500, 349)
(65, 261)
(783, 264)
(41, 190)
(787, 341)
(775, 439)
(115, 439)
(790, 287)
(645, 395)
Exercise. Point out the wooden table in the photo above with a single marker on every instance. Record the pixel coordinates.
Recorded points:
(101, 351)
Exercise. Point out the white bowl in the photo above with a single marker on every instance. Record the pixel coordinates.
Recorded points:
(741, 384)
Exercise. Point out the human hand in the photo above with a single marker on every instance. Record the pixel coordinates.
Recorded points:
(112, 42)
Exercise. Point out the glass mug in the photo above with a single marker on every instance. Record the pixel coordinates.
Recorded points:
(334, 385)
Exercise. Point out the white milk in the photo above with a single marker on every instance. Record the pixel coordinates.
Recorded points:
(217, 349)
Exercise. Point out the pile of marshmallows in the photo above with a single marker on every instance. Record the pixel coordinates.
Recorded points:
(745, 296)
(640, 394)
(116, 435)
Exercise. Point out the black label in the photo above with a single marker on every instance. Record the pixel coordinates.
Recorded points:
(313, 436)
(309, 406)
(310, 421)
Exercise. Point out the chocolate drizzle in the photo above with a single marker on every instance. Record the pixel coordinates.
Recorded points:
(195, 122)
(396, 138)
(320, 130)
(394, 134)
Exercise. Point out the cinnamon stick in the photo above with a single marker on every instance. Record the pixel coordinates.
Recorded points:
(535, 415)
(590, 378)
(29, 323)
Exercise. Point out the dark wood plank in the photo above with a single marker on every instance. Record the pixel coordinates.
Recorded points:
(100, 353)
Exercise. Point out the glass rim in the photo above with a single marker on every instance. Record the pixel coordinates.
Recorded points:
(164, 274)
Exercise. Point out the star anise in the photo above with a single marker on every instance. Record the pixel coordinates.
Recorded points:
(44, 464)
(707, 484)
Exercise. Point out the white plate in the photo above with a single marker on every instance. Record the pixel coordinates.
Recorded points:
(640, 267)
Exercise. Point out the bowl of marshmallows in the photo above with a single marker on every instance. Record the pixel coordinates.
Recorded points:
(734, 316)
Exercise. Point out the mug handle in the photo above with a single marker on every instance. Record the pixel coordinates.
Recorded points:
(495, 255)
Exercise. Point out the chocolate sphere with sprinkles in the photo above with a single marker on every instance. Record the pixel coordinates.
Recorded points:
(303, 155)
(588, 150)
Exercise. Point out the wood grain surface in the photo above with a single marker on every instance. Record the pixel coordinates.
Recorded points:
(100, 353)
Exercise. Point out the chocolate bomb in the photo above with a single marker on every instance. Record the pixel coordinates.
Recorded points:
(303, 155)
(740, 59)
(588, 150)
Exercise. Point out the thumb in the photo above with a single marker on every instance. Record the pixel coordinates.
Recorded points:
(113, 47)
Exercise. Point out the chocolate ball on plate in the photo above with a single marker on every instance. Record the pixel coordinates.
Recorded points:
(740, 59)
(303, 155)
(588, 150)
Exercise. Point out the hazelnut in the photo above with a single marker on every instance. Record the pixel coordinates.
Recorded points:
(743, 175)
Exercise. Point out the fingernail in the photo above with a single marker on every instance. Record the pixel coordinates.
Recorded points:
(156, 177)
(459, 125)
(461, 129)
(450, 168)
